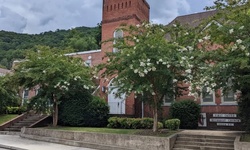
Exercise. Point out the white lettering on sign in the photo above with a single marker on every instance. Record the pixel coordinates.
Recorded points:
(225, 115)
(225, 124)
(224, 120)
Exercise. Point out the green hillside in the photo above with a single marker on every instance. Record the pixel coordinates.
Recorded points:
(13, 45)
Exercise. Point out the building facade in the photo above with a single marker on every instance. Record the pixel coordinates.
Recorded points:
(219, 112)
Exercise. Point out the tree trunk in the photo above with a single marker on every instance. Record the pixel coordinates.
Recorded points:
(55, 111)
(155, 115)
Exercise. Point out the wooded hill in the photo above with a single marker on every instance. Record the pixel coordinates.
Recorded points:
(13, 45)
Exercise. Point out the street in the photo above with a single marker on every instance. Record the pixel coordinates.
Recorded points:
(26, 144)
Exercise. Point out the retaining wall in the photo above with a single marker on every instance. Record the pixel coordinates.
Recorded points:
(100, 140)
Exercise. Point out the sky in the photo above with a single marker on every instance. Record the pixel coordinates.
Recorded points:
(36, 16)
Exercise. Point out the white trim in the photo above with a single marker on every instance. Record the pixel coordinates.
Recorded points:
(207, 103)
(84, 52)
(167, 103)
(223, 102)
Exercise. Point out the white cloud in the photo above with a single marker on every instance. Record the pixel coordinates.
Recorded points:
(164, 11)
(35, 16)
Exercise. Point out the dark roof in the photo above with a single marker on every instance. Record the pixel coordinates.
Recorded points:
(193, 20)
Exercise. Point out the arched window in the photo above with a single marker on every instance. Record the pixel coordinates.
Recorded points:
(117, 34)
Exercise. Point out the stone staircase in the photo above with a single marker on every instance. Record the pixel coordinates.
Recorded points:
(203, 142)
(26, 122)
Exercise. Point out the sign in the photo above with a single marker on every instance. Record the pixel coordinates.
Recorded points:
(224, 120)
(225, 124)
(225, 115)
(202, 120)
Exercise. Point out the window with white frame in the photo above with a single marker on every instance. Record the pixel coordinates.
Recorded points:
(207, 97)
(167, 100)
(230, 96)
(117, 34)
(26, 94)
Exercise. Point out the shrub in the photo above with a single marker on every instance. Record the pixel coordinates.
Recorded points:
(160, 125)
(98, 113)
(81, 109)
(172, 124)
(132, 123)
(187, 111)
(16, 110)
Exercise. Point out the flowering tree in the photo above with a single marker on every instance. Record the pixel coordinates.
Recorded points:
(147, 63)
(54, 73)
(224, 54)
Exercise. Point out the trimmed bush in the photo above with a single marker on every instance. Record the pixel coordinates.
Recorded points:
(132, 123)
(172, 124)
(98, 113)
(81, 109)
(187, 111)
(15, 110)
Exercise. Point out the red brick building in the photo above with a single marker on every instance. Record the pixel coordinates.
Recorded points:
(217, 111)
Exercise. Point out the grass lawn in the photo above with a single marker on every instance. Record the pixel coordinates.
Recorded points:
(245, 138)
(5, 118)
(144, 132)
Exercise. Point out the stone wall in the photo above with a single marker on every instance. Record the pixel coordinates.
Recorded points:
(100, 140)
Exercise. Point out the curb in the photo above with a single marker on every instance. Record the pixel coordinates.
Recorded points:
(73, 143)
(9, 133)
(11, 147)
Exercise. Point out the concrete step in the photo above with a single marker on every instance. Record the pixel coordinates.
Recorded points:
(193, 147)
(12, 129)
(205, 144)
(181, 149)
(207, 136)
(205, 140)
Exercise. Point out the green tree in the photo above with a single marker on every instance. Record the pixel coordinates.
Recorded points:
(223, 53)
(8, 93)
(149, 64)
(54, 73)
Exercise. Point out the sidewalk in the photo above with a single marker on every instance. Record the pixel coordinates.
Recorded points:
(15, 142)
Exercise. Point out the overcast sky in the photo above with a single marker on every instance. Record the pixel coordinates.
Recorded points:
(36, 16)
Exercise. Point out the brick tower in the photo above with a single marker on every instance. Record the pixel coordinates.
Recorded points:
(115, 13)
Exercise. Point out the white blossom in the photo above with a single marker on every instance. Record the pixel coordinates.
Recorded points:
(160, 60)
(131, 66)
(234, 47)
(239, 41)
(142, 64)
(168, 66)
(188, 71)
(153, 69)
(242, 27)
(145, 71)
(174, 25)
(136, 71)
(141, 74)
(135, 47)
(153, 93)
(174, 81)
(242, 47)
(44, 71)
(207, 37)
(200, 40)
(213, 85)
(231, 31)
(137, 40)
(164, 63)
(128, 54)
(247, 54)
